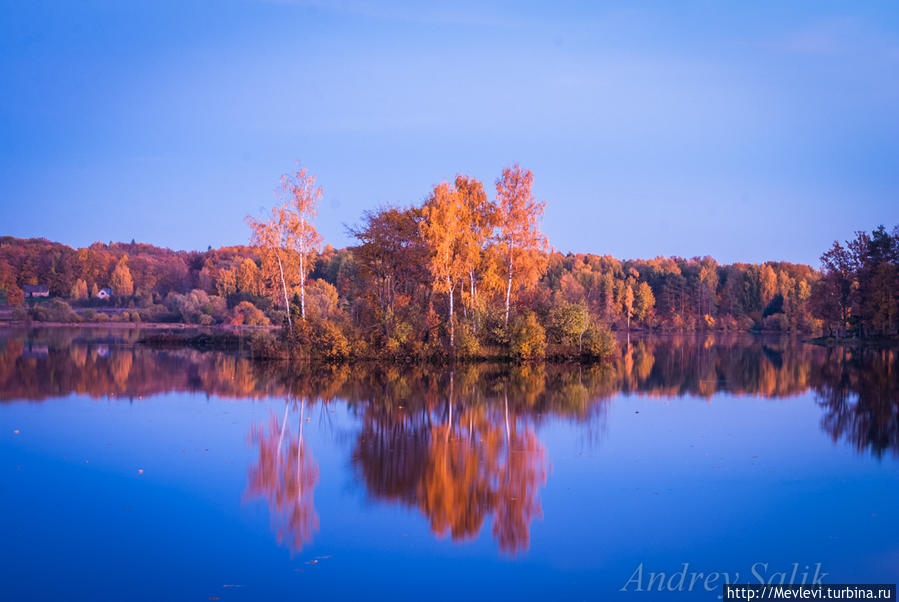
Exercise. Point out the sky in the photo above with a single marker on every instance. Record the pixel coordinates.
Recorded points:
(749, 131)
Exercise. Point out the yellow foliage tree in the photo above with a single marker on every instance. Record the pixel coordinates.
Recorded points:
(120, 281)
(247, 277)
(79, 289)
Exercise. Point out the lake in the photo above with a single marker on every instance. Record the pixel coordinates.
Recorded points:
(131, 473)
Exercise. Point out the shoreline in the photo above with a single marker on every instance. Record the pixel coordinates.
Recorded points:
(140, 326)
(854, 342)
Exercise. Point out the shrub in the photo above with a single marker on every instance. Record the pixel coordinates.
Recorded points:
(235, 299)
(278, 316)
(56, 310)
(467, 343)
(402, 337)
(599, 342)
(568, 323)
(197, 307)
(776, 322)
(321, 339)
(157, 313)
(528, 339)
(247, 313)
(328, 340)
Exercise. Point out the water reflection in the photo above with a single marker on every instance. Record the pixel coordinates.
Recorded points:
(458, 462)
(859, 390)
(457, 445)
(285, 475)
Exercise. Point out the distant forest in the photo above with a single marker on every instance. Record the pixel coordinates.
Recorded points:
(457, 273)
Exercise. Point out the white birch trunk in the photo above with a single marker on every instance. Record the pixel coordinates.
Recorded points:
(284, 287)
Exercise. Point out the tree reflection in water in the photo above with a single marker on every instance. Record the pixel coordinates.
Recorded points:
(859, 391)
(458, 445)
(285, 475)
(458, 460)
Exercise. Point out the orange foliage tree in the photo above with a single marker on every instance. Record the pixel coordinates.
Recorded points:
(480, 223)
(519, 233)
(443, 231)
(302, 199)
(287, 239)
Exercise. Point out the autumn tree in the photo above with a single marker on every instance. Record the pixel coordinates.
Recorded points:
(479, 217)
(302, 197)
(860, 287)
(644, 301)
(443, 231)
(569, 322)
(392, 258)
(79, 289)
(287, 239)
(246, 280)
(627, 303)
(519, 237)
(838, 286)
(226, 282)
(270, 238)
(14, 295)
(120, 282)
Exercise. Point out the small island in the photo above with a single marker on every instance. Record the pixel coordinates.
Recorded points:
(458, 277)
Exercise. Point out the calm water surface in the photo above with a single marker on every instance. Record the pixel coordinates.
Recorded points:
(137, 474)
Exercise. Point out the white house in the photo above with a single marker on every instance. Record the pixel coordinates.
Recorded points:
(104, 293)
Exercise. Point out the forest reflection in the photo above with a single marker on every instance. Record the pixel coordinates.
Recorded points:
(457, 444)
(857, 389)
(458, 458)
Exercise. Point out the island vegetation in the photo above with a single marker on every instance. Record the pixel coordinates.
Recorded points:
(458, 275)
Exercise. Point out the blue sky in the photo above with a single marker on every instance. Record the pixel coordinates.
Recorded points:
(746, 131)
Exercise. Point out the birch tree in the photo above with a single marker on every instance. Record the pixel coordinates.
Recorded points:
(272, 239)
(287, 239)
(519, 236)
(479, 219)
(301, 199)
(442, 229)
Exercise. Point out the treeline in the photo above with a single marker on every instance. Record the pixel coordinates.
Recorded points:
(859, 292)
(460, 273)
